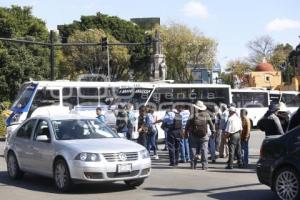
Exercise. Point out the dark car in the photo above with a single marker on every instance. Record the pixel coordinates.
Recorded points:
(279, 164)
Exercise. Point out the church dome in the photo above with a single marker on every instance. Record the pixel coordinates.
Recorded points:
(264, 67)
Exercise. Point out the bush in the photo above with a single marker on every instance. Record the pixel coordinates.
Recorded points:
(6, 104)
(2, 126)
(4, 114)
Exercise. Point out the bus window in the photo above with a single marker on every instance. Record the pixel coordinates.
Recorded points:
(250, 99)
(210, 95)
(291, 100)
(88, 96)
(181, 96)
(161, 96)
(45, 98)
(108, 95)
(69, 97)
(135, 96)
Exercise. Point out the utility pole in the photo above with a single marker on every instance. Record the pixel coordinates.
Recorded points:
(108, 66)
(52, 58)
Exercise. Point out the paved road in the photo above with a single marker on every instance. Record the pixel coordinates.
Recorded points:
(164, 183)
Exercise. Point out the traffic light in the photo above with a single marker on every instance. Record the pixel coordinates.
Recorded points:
(104, 43)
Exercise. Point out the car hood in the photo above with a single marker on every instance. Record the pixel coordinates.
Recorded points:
(105, 145)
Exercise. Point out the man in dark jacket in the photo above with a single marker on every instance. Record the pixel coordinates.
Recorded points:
(270, 123)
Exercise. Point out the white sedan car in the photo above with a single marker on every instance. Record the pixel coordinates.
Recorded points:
(74, 149)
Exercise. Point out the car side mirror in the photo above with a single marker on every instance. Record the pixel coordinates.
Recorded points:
(42, 138)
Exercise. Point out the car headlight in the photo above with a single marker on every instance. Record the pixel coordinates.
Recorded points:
(144, 154)
(88, 157)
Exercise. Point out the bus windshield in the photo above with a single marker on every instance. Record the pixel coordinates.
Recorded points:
(24, 96)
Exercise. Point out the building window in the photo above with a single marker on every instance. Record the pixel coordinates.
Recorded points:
(267, 78)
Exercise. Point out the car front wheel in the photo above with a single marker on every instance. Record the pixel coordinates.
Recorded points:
(62, 178)
(134, 183)
(13, 168)
(287, 184)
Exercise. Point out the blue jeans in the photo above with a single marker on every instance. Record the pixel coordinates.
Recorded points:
(245, 152)
(212, 147)
(184, 149)
(151, 143)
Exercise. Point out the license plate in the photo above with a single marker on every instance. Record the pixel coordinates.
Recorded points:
(123, 168)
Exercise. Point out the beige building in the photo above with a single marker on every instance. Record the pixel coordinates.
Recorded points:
(264, 76)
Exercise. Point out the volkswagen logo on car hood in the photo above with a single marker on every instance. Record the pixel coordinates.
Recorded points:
(122, 156)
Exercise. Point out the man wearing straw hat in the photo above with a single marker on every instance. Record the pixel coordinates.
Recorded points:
(197, 127)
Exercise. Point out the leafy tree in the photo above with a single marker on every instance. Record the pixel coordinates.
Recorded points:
(279, 57)
(292, 59)
(280, 60)
(227, 79)
(183, 46)
(18, 22)
(20, 62)
(121, 30)
(261, 47)
(91, 59)
(239, 67)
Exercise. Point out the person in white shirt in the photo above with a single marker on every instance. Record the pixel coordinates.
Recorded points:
(232, 131)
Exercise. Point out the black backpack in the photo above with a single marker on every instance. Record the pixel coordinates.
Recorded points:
(177, 124)
(122, 120)
(199, 128)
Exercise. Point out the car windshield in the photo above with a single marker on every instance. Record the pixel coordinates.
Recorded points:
(74, 129)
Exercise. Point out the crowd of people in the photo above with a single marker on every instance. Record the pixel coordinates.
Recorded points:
(192, 133)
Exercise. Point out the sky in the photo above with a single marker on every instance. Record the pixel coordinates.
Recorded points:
(232, 23)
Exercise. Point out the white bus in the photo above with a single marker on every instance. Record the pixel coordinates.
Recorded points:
(257, 101)
(54, 97)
